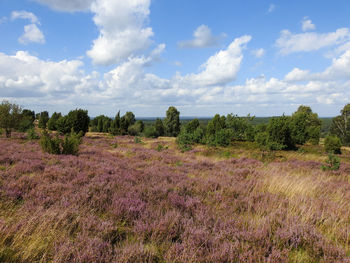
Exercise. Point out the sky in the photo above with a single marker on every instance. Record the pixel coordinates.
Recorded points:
(263, 58)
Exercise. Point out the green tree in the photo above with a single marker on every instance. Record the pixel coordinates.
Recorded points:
(172, 122)
(159, 127)
(341, 125)
(279, 132)
(43, 119)
(63, 126)
(27, 120)
(242, 128)
(332, 144)
(305, 126)
(10, 116)
(52, 123)
(115, 126)
(78, 120)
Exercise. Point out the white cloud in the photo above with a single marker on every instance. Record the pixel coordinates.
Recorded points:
(122, 30)
(222, 67)
(307, 24)
(67, 5)
(259, 53)
(202, 37)
(32, 34)
(25, 75)
(297, 75)
(272, 8)
(24, 15)
(290, 43)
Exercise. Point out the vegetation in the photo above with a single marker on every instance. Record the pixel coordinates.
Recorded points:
(341, 125)
(172, 122)
(10, 116)
(332, 144)
(56, 145)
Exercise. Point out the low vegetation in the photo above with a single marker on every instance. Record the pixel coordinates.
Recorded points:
(223, 191)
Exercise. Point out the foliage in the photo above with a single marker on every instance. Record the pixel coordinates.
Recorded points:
(63, 126)
(137, 139)
(242, 128)
(55, 145)
(159, 127)
(115, 126)
(10, 116)
(26, 120)
(52, 123)
(332, 144)
(341, 125)
(43, 119)
(172, 122)
(78, 121)
(279, 132)
(101, 123)
(184, 140)
(126, 121)
(265, 144)
(136, 129)
(32, 135)
(150, 132)
(332, 163)
(305, 126)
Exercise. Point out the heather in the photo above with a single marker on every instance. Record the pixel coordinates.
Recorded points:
(122, 200)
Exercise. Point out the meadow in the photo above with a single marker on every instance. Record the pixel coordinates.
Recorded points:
(142, 200)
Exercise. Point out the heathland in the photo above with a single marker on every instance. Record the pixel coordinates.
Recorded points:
(123, 199)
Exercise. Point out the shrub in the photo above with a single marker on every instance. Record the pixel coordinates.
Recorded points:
(137, 139)
(184, 140)
(332, 144)
(223, 137)
(48, 144)
(150, 132)
(32, 135)
(69, 145)
(332, 163)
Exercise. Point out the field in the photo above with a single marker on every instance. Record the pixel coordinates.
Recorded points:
(126, 200)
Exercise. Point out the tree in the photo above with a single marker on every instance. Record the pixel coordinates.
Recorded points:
(78, 120)
(27, 120)
(341, 125)
(242, 129)
(10, 116)
(215, 125)
(127, 120)
(115, 126)
(43, 119)
(172, 122)
(279, 132)
(305, 126)
(63, 126)
(159, 127)
(332, 144)
(52, 123)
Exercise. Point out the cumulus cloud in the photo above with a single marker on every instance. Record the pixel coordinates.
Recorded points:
(122, 30)
(307, 24)
(222, 67)
(67, 5)
(258, 53)
(32, 34)
(24, 15)
(310, 41)
(25, 75)
(202, 37)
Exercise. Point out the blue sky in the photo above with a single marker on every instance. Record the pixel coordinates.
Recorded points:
(204, 57)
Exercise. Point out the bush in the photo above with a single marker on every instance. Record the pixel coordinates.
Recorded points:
(332, 144)
(332, 163)
(69, 145)
(223, 137)
(184, 140)
(48, 144)
(32, 135)
(151, 132)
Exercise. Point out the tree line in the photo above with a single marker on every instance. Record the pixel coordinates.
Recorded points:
(280, 133)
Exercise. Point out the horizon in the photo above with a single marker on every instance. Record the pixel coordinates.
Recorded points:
(260, 57)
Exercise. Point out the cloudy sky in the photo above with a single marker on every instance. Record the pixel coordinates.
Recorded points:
(204, 57)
